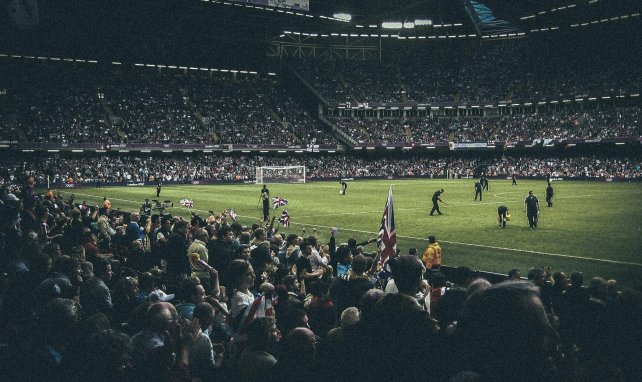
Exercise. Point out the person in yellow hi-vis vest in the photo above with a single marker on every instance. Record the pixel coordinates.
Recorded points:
(432, 255)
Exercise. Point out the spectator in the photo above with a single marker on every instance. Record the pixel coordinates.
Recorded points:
(504, 309)
(178, 267)
(256, 362)
(347, 290)
(162, 338)
(95, 296)
(296, 361)
(204, 360)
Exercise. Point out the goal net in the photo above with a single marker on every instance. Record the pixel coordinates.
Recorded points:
(280, 174)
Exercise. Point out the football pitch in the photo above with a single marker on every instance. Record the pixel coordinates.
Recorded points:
(593, 227)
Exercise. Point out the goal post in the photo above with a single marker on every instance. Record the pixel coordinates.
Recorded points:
(280, 174)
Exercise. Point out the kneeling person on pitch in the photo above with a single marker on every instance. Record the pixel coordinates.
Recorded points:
(344, 187)
(503, 215)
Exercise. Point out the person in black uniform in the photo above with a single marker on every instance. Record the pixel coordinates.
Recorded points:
(548, 178)
(478, 191)
(514, 180)
(531, 207)
(549, 195)
(265, 196)
(344, 187)
(436, 198)
(158, 189)
(484, 181)
(502, 212)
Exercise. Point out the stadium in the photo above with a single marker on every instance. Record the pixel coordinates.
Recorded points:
(137, 243)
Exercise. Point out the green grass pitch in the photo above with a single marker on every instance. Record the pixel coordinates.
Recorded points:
(593, 227)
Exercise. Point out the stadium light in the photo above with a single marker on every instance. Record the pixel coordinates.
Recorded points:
(342, 16)
(392, 25)
(423, 22)
(408, 25)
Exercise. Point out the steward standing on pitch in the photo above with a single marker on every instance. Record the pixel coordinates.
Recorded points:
(549, 195)
(432, 255)
(484, 181)
(478, 191)
(436, 198)
(265, 196)
(531, 207)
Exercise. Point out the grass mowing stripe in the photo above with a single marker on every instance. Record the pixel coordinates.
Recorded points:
(443, 241)
(593, 220)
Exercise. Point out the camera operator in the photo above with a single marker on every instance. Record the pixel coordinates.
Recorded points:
(146, 208)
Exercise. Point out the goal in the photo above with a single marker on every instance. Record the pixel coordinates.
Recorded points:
(280, 174)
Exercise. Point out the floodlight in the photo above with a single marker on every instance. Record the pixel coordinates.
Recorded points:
(408, 25)
(422, 22)
(342, 16)
(392, 25)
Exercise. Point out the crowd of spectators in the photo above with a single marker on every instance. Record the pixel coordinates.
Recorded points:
(382, 130)
(92, 293)
(152, 109)
(134, 169)
(75, 105)
(587, 124)
(39, 105)
(505, 70)
(289, 110)
(237, 113)
(72, 105)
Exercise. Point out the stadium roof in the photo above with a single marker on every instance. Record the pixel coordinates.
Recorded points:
(207, 31)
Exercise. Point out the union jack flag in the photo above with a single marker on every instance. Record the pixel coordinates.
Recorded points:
(285, 218)
(278, 202)
(387, 234)
(187, 203)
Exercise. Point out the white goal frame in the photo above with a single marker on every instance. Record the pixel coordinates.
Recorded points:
(284, 174)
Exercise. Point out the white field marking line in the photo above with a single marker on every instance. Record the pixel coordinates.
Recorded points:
(503, 201)
(492, 247)
(338, 214)
(443, 241)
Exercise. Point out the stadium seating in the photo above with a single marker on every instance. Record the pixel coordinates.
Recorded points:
(64, 104)
(214, 168)
(506, 70)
